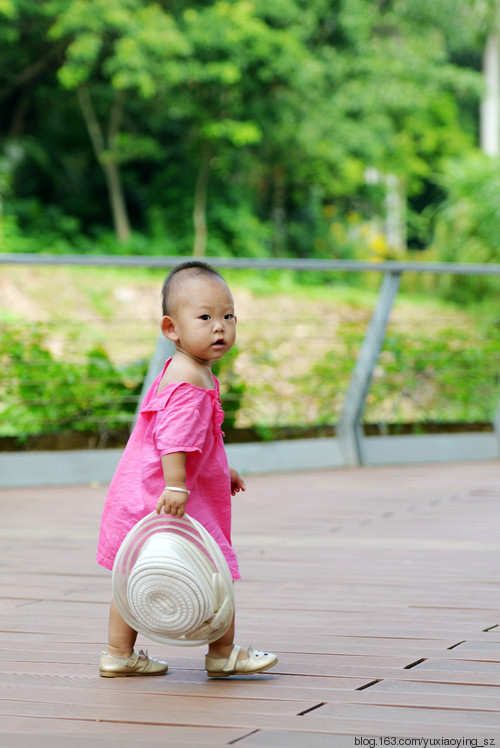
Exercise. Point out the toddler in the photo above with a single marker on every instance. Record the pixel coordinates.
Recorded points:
(175, 460)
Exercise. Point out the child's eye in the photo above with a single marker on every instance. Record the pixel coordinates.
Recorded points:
(229, 316)
(205, 317)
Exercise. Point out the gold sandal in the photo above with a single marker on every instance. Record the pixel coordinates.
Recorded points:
(257, 662)
(114, 666)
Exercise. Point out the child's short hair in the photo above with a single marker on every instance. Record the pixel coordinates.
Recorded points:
(194, 268)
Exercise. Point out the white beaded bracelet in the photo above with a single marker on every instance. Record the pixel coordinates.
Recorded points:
(177, 490)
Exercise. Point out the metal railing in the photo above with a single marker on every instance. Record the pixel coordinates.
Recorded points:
(349, 426)
(452, 268)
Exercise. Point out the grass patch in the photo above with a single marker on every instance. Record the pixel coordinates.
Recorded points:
(298, 339)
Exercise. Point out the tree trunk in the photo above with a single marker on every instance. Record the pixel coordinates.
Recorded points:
(279, 211)
(200, 206)
(395, 217)
(105, 157)
(18, 115)
(117, 201)
(490, 105)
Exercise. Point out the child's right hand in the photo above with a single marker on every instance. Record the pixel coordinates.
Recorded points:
(173, 503)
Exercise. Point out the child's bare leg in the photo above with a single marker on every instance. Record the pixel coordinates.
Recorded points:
(223, 647)
(121, 637)
(223, 659)
(121, 660)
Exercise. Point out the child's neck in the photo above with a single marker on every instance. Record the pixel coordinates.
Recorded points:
(202, 364)
(189, 368)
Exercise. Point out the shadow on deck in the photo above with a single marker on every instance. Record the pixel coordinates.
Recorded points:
(379, 588)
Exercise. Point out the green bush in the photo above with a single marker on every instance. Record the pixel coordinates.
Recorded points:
(468, 225)
(448, 377)
(43, 395)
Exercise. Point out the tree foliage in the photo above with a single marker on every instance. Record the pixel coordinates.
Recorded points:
(232, 126)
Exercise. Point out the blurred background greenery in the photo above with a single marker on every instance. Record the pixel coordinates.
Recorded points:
(343, 129)
(246, 128)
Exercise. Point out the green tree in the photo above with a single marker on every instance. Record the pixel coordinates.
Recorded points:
(377, 90)
(247, 75)
(117, 50)
(280, 107)
(467, 223)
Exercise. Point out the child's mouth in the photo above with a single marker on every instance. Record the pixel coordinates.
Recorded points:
(218, 343)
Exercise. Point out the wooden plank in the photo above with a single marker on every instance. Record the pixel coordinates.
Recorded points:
(459, 666)
(288, 739)
(386, 568)
(191, 684)
(407, 697)
(438, 719)
(33, 732)
(241, 720)
(120, 702)
(477, 691)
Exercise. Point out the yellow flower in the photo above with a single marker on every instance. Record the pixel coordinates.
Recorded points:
(337, 230)
(329, 211)
(378, 244)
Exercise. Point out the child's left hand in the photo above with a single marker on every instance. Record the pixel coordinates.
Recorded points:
(237, 482)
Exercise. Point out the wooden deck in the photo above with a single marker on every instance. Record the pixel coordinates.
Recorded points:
(379, 588)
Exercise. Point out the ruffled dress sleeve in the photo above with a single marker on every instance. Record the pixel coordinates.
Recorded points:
(185, 416)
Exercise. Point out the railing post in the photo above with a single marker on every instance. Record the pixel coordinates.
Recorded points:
(163, 349)
(349, 430)
(496, 421)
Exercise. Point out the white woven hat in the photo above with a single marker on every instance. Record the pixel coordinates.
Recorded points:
(172, 583)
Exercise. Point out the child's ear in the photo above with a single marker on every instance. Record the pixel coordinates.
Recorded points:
(168, 328)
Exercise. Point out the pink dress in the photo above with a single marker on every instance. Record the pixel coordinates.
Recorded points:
(181, 418)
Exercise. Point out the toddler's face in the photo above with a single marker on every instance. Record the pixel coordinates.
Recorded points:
(203, 318)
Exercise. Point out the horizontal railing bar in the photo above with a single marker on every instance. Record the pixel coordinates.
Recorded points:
(349, 266)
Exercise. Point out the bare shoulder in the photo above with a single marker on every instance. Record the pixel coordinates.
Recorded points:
(182, 370)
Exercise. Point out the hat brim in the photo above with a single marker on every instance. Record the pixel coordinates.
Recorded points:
(183, 598)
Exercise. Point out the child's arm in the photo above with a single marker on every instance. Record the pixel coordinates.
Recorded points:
(237, 482)
(174, 472)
